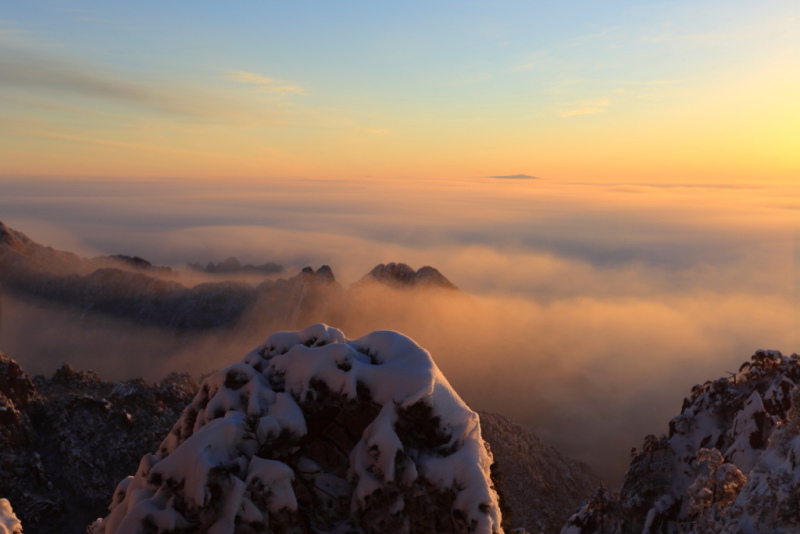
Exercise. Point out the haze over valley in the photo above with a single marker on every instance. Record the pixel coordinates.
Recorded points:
(579, 315)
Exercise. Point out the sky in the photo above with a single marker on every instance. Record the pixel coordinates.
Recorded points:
(593, 91)
(615, 183)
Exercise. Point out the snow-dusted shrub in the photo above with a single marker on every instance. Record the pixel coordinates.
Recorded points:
(718, 486)
(770, 499)
(313, 432)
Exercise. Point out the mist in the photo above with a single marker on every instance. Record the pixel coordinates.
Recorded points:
(587, 312)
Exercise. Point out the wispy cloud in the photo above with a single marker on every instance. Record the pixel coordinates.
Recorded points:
(661, 82)
(29, 69)
(515, 177)
(32, 70)
(264, 83)
(585, 107)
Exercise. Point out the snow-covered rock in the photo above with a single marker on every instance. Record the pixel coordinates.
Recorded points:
(730, 456)
(770, 499)
(9, 523)
(313, 432)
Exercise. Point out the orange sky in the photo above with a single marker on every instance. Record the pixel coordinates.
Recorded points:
(701, 92)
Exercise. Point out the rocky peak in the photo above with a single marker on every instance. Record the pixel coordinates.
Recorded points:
(323, 274)
(13, 239)
(14, 382)
(312, 432)
(402, 275)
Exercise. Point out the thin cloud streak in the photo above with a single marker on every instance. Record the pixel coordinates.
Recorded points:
(263, 83)
(33, 70)
(585, 107)
(515, 177)
(30, 70)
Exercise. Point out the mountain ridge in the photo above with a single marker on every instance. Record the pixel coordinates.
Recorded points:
(134, 289)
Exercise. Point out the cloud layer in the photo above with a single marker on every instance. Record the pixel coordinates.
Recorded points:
(594, 309)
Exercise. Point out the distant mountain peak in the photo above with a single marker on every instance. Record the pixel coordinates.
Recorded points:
(13, 239)
(402, 275)
(323, 274)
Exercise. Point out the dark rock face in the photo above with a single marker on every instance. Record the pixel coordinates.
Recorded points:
(401, 275)
(675, 483)
(66, 441)
(539, 487)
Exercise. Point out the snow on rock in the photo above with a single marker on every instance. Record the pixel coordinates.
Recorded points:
(313, 432)
(770, 499)
(730, 447)
(9, 524)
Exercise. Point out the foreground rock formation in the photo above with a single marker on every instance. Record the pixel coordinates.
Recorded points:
(313, 432)
(66, 441)
(730, 464)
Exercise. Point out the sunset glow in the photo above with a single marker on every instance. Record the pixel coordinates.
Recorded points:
(679, 91)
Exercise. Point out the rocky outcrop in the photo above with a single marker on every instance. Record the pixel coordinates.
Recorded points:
(65, 441)
(769, 501)
(313, 432)
(726, 435)
(400, 275)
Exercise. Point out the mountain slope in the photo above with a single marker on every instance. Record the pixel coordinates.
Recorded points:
(539, 487)
(66, 441)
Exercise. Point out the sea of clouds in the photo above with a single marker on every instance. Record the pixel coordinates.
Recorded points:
(593, 308)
